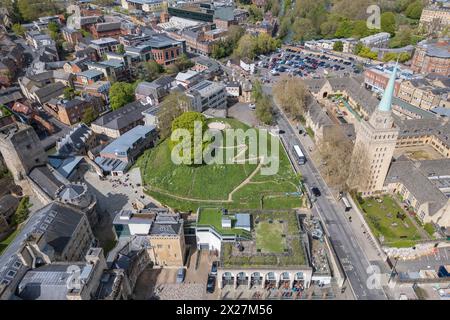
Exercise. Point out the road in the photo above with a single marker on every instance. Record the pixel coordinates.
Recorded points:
(352, 256)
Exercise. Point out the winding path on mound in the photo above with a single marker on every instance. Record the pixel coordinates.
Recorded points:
(246, 181)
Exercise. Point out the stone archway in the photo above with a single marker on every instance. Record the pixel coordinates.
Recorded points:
(241, 279)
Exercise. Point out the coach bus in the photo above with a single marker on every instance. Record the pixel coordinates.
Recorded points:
(300, 156)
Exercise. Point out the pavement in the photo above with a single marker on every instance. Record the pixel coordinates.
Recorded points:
(352, 256)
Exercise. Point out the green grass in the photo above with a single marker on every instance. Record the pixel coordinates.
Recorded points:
(165, 180)
(213, 217)
(429, 228)
(5, 243)
(310, 132)
(383, 221)
(268, 237)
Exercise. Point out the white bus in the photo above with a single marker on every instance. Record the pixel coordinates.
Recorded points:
(301, 157)
(347, 204)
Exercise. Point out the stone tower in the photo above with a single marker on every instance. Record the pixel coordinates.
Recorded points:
(378, 137)
(21, 149)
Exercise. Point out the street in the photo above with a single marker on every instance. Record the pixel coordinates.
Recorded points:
(353, 258)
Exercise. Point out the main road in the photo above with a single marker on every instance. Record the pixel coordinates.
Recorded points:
(355, 263)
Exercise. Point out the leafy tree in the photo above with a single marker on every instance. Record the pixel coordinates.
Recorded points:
(18, 29)
(120, 94)
(121, 49)
(255, 14)
(365, 52)
(53, 26)
(188, 121)
(264, 109)
(344, 29)
(22, 211)
(303, 30)
(183, 62)
(250, 46)
(69, 93)
(338, 46)
(388, 22)
(89, 115)
(149, 70)
(414, 10)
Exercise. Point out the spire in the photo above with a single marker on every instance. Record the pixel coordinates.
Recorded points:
(386, 101)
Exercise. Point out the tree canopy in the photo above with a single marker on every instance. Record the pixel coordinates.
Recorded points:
(120, 94)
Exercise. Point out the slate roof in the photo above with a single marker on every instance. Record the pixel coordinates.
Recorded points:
(414, 175)
(46, 180)
(122, 117)
(55, 221)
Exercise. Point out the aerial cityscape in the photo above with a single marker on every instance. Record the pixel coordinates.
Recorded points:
(225, 150)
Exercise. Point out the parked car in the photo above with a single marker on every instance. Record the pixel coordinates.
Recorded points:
(214, 268)
(180, 275)
(211, 284)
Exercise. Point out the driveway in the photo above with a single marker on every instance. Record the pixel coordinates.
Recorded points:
(243, 113)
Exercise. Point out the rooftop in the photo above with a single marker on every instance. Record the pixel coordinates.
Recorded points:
(276, 242)
(128, 140)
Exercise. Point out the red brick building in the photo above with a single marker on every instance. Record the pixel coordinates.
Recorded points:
(106, 29)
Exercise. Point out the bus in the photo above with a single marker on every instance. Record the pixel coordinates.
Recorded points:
(347, 204)
(301, 157)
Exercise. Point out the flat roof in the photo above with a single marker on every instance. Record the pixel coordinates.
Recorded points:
(127, 140)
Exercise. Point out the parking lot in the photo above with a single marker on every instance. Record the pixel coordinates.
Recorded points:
(305, 65)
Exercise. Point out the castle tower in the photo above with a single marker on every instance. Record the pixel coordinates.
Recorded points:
(21, 149)
(378, 137)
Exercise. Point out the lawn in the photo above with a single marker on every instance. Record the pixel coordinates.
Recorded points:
(383, 221)
(213, 217)
(269, 237)
(186, 187)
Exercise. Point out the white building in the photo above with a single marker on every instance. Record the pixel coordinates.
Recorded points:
(247, 65)
(378, 40)
(207, 94)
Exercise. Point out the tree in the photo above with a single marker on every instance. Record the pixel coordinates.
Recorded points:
(149, 70)
(338, 46)
(121, 49)
(189, 121)
(414, 10)
(120, 94)
(257, 91)
(69, 93)
(183, 62)
(343, 166)
(335, 152)
(30, 10)
(255, 14)
(171, 107)
(89, 115)
(18, 29)
(22, 211)
(264, 109)
(388, 23)
(303, 30)
(291, 95)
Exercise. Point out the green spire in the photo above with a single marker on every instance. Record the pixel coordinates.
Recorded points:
(386, 101)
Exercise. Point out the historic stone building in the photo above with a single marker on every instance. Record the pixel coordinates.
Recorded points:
(21, 150)
(378, 137)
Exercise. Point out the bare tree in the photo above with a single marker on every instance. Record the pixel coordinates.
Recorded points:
(291, 94)
(171, 107)
(359, 169)
(335, 152)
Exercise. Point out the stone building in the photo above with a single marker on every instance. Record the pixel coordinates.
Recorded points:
(53, 234)
(434, 19)
(21, 149)
(378, 137)
(163, 230)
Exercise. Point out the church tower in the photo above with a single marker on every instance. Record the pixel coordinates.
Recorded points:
(378, 137)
